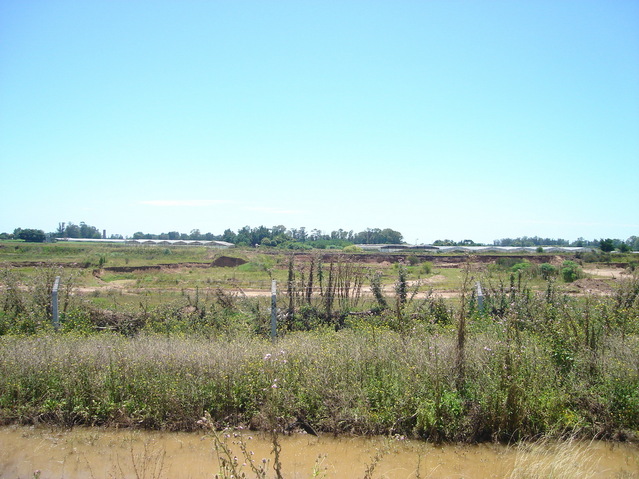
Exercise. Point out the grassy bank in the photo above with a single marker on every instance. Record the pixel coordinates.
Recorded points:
(364, 381)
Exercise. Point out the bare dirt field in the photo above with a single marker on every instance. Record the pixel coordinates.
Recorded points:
(614, 273)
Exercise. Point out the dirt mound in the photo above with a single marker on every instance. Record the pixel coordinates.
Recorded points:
(228, 262)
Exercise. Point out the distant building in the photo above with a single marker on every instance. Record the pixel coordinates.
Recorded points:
(212, 243)
(394, 248)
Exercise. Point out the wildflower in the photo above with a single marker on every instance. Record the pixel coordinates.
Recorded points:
(267, 357)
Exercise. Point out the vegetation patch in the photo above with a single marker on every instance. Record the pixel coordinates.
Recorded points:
(365, 348)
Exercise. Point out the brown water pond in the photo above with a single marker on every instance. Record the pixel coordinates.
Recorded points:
(105, 453)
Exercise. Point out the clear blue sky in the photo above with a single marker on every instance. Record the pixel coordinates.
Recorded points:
(439, 119)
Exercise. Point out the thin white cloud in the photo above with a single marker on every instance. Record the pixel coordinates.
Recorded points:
(188, 203)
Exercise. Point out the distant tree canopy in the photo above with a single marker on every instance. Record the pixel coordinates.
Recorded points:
(606, 245)
(281, 236)
(31, 235)
(537, 241)
(82, 230)
(447, 242)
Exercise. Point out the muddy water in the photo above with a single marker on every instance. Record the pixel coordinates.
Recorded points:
(98, 453)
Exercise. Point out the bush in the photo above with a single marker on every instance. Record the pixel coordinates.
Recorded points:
(571, 271)
(426, 267)
(523, 267)
(547, 270)
(506, 263)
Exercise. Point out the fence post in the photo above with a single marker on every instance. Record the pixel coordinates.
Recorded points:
(54, 303)
(480, 298)
(273, 310)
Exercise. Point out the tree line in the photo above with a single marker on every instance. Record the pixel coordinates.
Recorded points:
(293, 238)
(303, 238)
(606, 245)
(278, 235)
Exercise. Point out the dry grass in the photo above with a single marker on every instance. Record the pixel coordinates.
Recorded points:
(546, 459)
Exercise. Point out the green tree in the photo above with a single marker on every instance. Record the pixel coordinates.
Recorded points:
(31, 235)
(606, 245)
(72, 231)
(87, 231)
(229, 236)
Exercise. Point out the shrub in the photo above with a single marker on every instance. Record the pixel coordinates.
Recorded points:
(412, 260)
(547, 270)
(506, 263)
(523, 267)
(571, 271)
(426, 267)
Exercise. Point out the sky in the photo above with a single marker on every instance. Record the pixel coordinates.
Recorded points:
(439, 119)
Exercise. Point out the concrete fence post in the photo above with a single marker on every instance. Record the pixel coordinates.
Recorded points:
(54, 304)
(480, 298)
(273, 310)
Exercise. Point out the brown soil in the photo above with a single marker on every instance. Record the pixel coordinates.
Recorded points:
(591, 285)
(228, 262)
(438, 259)
(222, 261)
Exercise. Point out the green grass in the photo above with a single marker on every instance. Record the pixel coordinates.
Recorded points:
(367, 381)
(114, 254)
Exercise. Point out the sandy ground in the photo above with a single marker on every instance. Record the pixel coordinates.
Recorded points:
(614, 273)
(598, 281)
